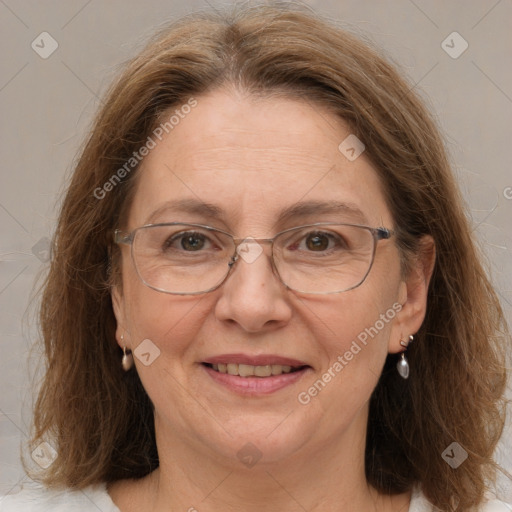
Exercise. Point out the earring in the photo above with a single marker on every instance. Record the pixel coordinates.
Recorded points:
(127, 360)
(403, 365)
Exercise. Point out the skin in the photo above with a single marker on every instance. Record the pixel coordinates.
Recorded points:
(254, 157)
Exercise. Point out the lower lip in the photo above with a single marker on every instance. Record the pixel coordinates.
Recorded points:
(255, 385)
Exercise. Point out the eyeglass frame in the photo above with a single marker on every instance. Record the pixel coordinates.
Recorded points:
(378, 234)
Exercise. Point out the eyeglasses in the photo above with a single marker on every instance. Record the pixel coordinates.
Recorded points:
(189, 259)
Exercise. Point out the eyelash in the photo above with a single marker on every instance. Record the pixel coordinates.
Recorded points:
(336, 239)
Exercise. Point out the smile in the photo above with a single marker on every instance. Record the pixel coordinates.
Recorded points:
(248, 370)
(255, 380)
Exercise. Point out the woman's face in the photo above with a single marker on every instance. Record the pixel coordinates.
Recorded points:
(254, 159)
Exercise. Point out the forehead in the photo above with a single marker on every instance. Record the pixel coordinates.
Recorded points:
(253, 161)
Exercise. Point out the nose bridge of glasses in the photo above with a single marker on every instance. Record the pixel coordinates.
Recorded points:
(251, 240)
(250, 249)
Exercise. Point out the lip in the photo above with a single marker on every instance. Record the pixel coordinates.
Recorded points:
(255, 386)
(255, 360)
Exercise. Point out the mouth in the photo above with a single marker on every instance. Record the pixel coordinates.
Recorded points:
(255, 375)
(249, 370)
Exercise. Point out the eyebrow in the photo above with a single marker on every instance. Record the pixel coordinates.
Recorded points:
(295, 211)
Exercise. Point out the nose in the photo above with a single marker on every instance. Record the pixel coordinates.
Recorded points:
(253, 297)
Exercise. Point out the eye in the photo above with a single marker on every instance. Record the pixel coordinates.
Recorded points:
(318, 241)
(190, 241)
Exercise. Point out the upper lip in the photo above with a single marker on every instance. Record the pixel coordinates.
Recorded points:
(255, 360)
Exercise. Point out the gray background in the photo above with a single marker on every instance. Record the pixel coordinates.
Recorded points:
(47, 105)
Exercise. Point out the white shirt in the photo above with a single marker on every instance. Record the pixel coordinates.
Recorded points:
(96, 498)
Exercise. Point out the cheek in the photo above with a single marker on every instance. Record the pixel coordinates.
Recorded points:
(169, 321)
(358, 337)
(363, 315)
(353, 331)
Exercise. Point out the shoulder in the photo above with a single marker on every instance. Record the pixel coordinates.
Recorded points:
(419, 503)
(495, 506)
(40, 499)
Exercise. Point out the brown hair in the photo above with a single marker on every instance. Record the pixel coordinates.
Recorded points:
(100, 419)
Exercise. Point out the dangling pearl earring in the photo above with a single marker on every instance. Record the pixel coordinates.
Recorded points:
(127, 360)
(403, 365)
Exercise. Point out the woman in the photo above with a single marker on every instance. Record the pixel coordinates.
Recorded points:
(263, 292)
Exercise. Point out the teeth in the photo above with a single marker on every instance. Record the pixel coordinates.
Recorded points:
(248, 370)
(233, 369)
(263, 371)
(277, 369)
(245, 370)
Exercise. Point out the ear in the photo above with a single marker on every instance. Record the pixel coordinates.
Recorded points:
(413, 295)
(119, 312)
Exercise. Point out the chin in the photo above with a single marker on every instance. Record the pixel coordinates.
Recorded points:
(263, 439)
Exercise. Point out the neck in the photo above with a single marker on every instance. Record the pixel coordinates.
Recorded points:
(314, 478)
